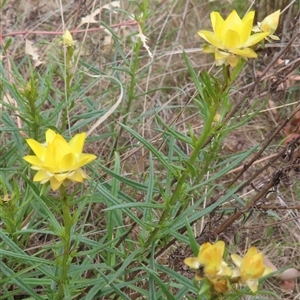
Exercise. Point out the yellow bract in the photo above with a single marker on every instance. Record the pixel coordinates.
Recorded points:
(231, 38)
(209, 262)
(67, 39)
(58, 161)
(251, 268)
(269, 25)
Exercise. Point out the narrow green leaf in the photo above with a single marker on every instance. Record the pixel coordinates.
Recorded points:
(19, 281)
(151, 148)
(193, 243)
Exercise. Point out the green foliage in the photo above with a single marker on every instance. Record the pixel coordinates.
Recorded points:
(112, 237)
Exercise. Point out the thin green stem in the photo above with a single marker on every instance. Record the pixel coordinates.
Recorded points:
(131, 91)
(178, 190)
(231, 77)
(133, 71)
(66, 241)
(69, 51)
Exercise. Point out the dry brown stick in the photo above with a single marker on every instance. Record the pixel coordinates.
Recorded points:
(265, 144)
(238, 214)
(266, 207)
(255, 163)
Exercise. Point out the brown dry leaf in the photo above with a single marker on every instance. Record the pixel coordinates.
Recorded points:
(288, 285)
(290, 138)
(287, 277)
(289, 274)
(144, 41)
(292, 130)
(32, 51)
(91, 18)
(290, 79)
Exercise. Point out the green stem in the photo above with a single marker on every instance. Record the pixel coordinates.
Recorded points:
(133, 71)
(229, 78)
(178, 190)
(66, 241)
(131, 93)
(68, 79)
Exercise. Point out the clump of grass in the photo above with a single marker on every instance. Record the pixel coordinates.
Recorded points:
(185, 153)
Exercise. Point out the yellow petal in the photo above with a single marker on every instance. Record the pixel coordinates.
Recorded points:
(67, 162)
(77, 175)
(211, 257)
(237, 260)
(192, 262)
(77, 142)
(210, 38)
(217, 23)
(274, 37)
(270, 23)
(245, 30)
(253, 267)
(33, 160)
(224, 270)
(84, 159)
(204, 247)
(267, 271)
(220, 245)
(42, 176)
(67, 39)
(61, 177)
(253, 285)
(251, 252)
(56, 151)
(50, 135)
(233, 20)
(233, 60)
(220, 62)
(231, 39)
(38, 149)
(209, 49)
(255, 38)
(246, 52)
(55, 184)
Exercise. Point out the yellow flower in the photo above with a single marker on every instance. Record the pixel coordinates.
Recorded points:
(231, 38)
(250, 268)
(220, 286)
(67, 39)
(209, 262)
(58, 161)
(5, 198)
(269, 25)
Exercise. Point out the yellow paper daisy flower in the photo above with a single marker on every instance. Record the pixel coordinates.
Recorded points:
(231, 39)
(67, 39)
(250, 268)
(58, 161)
(269, 24)
(209, 262)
